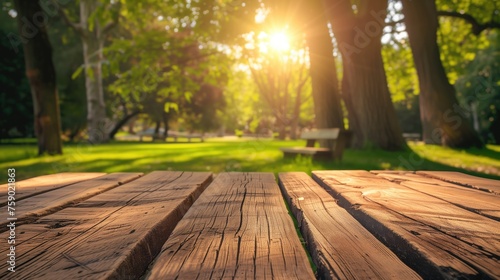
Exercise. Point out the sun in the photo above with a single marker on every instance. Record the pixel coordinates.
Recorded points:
(279, 41)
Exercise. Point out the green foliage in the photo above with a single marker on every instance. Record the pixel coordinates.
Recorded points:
(471, 60)
(479, 86)
(402, 81)
(16, 114)
(243, 104)
(68, 60)
(458, 44)
(170, 57)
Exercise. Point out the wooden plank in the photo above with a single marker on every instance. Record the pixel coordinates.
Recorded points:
(238, 228)
(488, 185)
(49, 202)
(435, 238)
(41, 184)
(115, 234)
(327, 133)
(486, 204)
(340, 246)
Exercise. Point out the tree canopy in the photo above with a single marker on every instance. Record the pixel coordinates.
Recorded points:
(372, 67)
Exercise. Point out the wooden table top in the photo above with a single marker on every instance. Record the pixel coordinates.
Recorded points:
(197, 225)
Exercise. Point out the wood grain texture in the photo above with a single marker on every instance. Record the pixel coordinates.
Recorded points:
(239, 228)
(485, 204)
(340, 246)
(52, 201)
(45, 183)
(435, 238)
(488, 185)
(113, 235)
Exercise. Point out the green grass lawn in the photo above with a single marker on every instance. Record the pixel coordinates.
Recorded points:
(217, 155)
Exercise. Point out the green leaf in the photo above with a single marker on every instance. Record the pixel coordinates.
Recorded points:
(77, 73)
(171, 105)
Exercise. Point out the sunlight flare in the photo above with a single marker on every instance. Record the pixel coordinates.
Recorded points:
(279, 41)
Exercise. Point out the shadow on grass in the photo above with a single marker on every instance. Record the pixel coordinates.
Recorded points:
(213, 156)
(484, 152)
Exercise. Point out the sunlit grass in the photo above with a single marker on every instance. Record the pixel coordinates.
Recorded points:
(217, 155)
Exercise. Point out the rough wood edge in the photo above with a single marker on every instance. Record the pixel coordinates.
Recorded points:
(134, 266)
(409, 254)
(33, 216)
(21, 197)
(322, 271)
(457, 182)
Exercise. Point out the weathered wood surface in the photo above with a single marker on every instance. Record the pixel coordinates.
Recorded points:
(434, 237)
(462, 179)
(55, 199)
(340, 246)
(486, 204)
(238, 228)
(45, 183)
(115, 234)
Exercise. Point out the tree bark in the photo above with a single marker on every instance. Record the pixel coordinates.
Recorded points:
(323, 70)
(372, 117)
(93, 43)
(41, 75)
(442, 120)
(495, 129)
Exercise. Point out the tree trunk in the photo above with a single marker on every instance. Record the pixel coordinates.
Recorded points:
(442, 121)
(165, 124)
(323, 71)
(41, 75)
(93, 43)
(294, 125)
(121, 123)
(495, 129)
(374, 120)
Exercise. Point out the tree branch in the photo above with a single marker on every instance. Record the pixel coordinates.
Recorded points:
(477, 27)
(75, 26)
(114, 22)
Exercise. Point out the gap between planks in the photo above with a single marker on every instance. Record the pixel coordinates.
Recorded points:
(341, 247)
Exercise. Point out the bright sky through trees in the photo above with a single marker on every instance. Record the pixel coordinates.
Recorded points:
(279, 41)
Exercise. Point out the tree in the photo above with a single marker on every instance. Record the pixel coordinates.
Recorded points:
(480, 89)
(202, 111)
(307, 19)
(41, 75)
(325, 85)
(358, 30)
(16, 116)
(281, 77)
(96, 20)
(439, 108)
(158, 63)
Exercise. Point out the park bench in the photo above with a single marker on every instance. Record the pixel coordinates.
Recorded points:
(336, 138)
(188, 136)
(188, 225)
(174, 134)
(412, 136)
